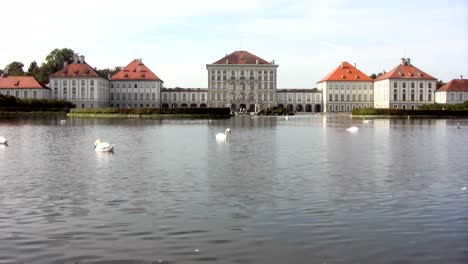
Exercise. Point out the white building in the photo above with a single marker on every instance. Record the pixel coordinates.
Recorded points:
(184, 97)
(404, 87)
(346, 88)
(454, 92)
(135, 86)
(23, 87)
(300, 100)
(80, 84)
(242, 80)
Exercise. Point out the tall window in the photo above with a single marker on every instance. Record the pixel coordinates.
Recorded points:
(404, 85)
(330, 97)
(193, 97)
(403, 98)
(395, 85)
(91, 93)
(395, 95)
(412, 95)
(420, 95)
(429, 95)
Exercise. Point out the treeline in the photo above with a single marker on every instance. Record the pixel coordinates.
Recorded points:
(10, 103)
(53, 63)
(462, 106)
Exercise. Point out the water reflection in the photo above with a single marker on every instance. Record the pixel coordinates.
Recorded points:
(297, 191)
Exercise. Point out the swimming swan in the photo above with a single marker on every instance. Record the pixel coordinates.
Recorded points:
(366, 121)
(100, 146)
(3, 141)
(353, 129)
(223, 136)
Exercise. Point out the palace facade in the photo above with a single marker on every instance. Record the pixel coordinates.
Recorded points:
(454, 92)
(23, 87)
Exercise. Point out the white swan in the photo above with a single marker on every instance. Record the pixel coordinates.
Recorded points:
(3, 141)
(225, 135)
(286, 118)
(63, 121)
(366, 121)
(353, 129)
(100, 146)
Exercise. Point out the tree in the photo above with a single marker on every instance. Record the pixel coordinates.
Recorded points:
(57, 57)
(105, 73)
(33, 69)
(439, 84)
(15, 69)
(374, 76)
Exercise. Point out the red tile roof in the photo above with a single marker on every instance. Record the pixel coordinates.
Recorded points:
(405, 71)
(241, 57)
(136, 70)
(19, 82)
(76, 70)
(346, 72)
(455, 85)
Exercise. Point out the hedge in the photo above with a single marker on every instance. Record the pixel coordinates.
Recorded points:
(275, 111)
(10, 103)
(403, 112)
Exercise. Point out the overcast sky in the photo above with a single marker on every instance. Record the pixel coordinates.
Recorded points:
(307, 38)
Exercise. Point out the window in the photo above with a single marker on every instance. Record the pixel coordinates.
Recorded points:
(184, 97)
(460, 96)
(123, 96)
(91, 94)
(429, 85)
(117, 96)
(342, 97)
(112, 85)
(112, 96)
(412, 85)
(395, 95)
(347, 97)
(421, 95)
(359, 97)
(395, 85)
(203, 97)
(147, 96)
(91, 82)
(330, 97)
(83, 83)
(74, 82)
(117, 85)
(135, 86)
(429, 96)
(64, 83)
(135, 97)
(83, 93)
(35, 94)
(403, 98)
(395, 106)
(404, 85)
(141, 96)
(452, 96)
(174, 97)
(25, 94)
(218, 97)
(193, 97)
(165, 97)
(365, 97)
(336, 97)
(421, 85)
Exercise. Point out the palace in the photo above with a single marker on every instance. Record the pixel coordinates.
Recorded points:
(240, 81)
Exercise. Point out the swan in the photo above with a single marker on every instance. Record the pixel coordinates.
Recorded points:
(366, 121)
(286, 118)
(100, 146)
(63, 121)
(353, 129)
(223, 136)
(3, 141)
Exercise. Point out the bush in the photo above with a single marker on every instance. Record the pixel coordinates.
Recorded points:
(404, 112)
(10, 103)
(275, 111)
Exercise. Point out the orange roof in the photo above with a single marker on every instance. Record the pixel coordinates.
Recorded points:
(136, 70)
(405, 71)
(19, 82)
(76, 70)
(241, 57)
(346, 72)
(455, 85)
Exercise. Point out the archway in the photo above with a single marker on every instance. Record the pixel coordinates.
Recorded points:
(233, 107)
(299, 108)
(165, 106)
(281, 106)
(252, 108)
(174, 105)
(308, 108)
(193, 105)
(183, 105)
(318, 108)
(290, 107)
(202, 105)
(242, 107)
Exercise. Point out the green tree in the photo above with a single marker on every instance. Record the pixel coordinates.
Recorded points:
(54, 62)
(15, 69)
(439, 84)
(109, 72)
(33, 69)
(374, 76)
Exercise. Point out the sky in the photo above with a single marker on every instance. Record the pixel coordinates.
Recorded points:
(306, 38)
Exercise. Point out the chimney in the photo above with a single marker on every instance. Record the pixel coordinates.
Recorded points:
(75, 58)
(384, 72)
(256, 61)
(273, 62)
(82, 59)
(461, 77)
(354, 65)
(65, 64)
(408, 61)
(2, 75)
(403, 61)
(227, 61)
(342, 65)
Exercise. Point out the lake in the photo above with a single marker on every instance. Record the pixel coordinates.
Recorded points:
(302, 190)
